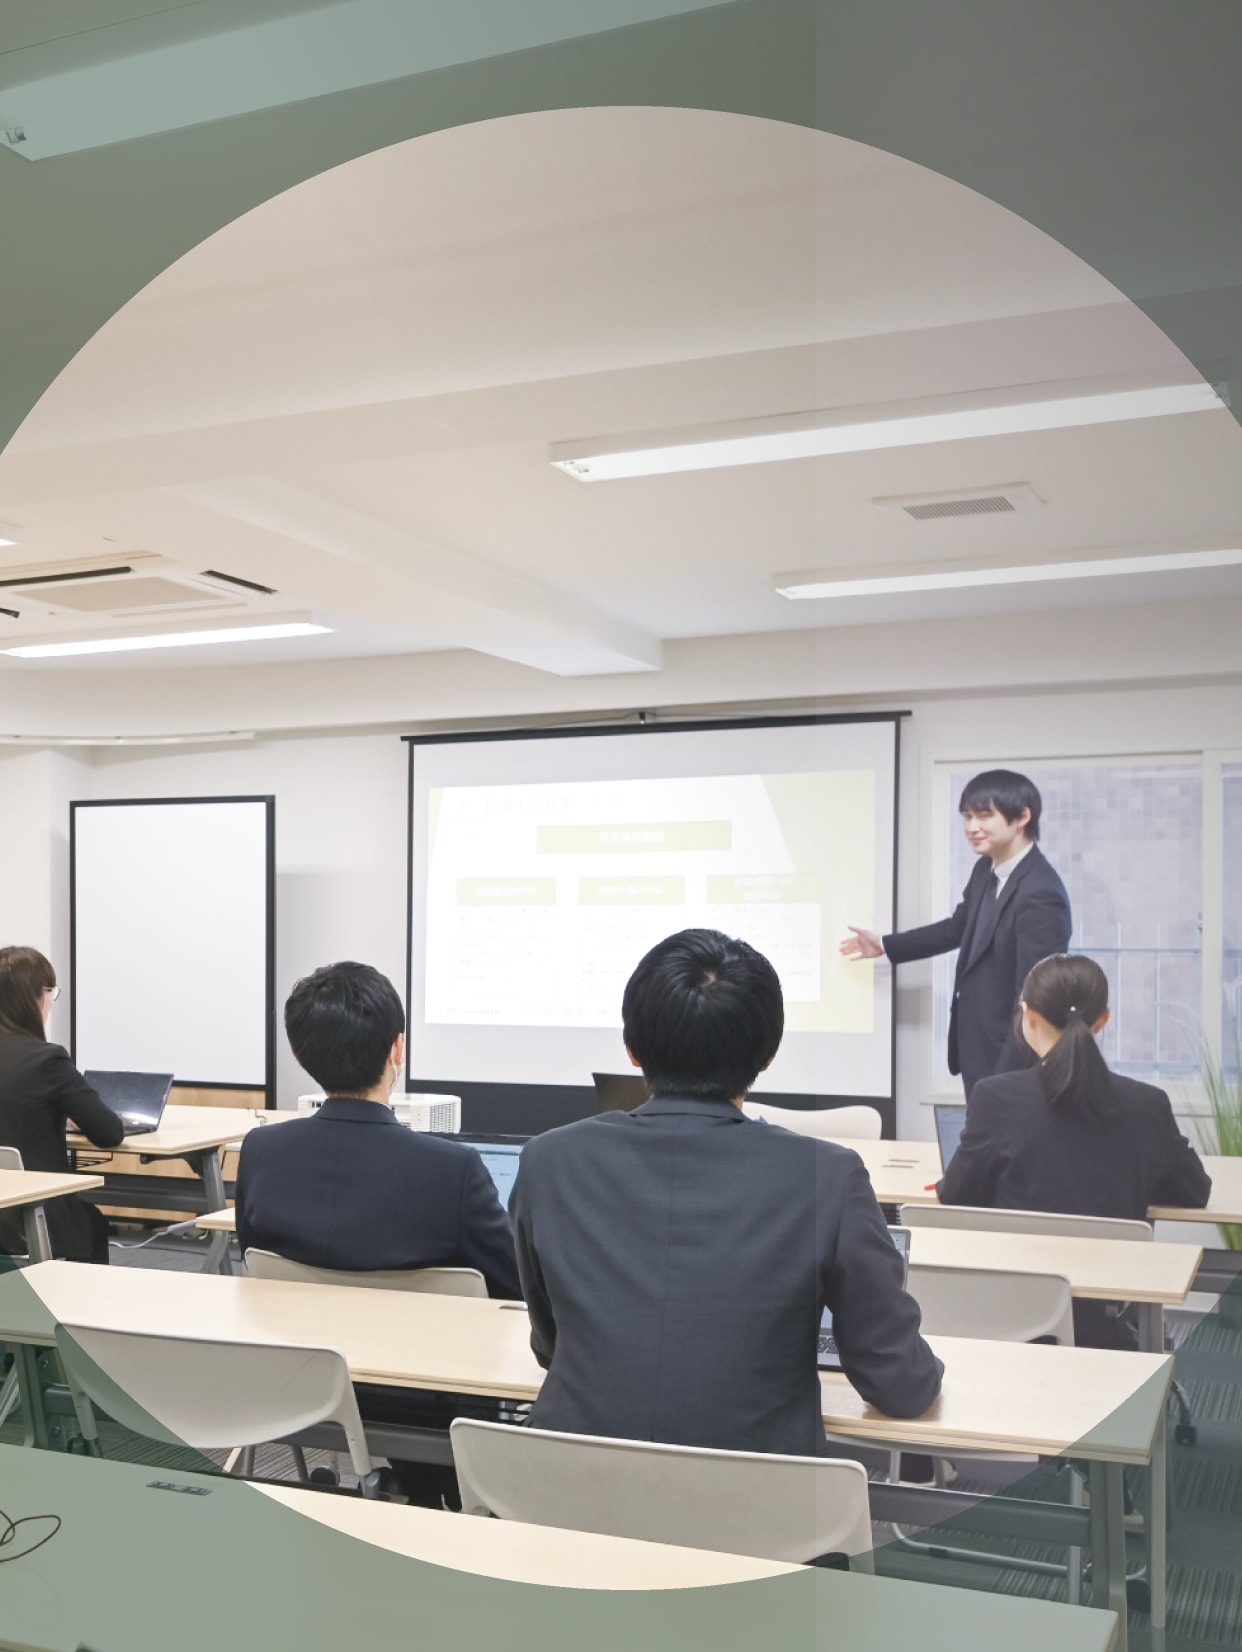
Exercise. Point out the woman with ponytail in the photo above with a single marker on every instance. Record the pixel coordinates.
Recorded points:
(1068, 1135)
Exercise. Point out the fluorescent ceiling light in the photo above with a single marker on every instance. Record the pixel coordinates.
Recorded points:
(9, 535)
(170, 639)
(815, 587)
(814, 435)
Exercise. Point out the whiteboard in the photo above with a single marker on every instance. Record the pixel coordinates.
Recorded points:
(172, 945)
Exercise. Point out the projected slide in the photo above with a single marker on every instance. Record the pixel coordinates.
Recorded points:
(541, 898)
(542, 868)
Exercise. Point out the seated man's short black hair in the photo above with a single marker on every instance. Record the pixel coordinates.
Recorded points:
(703, 1015)
(1006, 791)
(342, 1023)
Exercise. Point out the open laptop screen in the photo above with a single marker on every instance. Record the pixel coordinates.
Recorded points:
(501, 1155)
(138, 1098)
(950, 1122)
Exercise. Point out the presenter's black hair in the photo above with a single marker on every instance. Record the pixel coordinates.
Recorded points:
(703, 1015)
(25, 975)
(1008, 793)
(1070, 991)
(342, 1023)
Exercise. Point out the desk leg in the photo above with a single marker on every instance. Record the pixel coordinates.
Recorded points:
(1108, 1545)
(212, 1172)
(1155, 1522)
(34, 1417)
(218, 1254)
(38, 1246)
(1151, 1327)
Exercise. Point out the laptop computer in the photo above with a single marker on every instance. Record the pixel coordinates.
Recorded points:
(950, 1122)
(620, 1092)
(500, 1154)
(137, 1098)
(829, 1358)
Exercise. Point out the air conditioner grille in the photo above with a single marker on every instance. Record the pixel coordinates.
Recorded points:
(989, 505)
(107, 596)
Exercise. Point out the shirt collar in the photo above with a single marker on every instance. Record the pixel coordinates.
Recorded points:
(1004, 872)
(353, 1111)
(691, 1105)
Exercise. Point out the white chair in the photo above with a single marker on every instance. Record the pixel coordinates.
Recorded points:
(1022, 1221)
(208, 1393)
(993, 1304)
(266, 1264)
(739, 1502)
(10, 1393)
(863, 1122)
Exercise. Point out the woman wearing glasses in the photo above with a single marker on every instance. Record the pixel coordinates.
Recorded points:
(40, 1092)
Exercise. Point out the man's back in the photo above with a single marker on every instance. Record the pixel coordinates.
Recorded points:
(676, 1261)
(351, 1188)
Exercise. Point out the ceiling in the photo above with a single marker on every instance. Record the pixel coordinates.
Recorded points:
(348, 395)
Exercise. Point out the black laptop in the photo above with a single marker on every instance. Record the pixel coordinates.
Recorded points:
(620, 1092)
(829, 1359)
(950, 1122)
(137, 1098)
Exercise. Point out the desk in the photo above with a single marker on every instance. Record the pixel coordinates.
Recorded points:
(1103, 1406)
(313, 1571)
(901, 1173)
(1128, 1270)
(29, 1190)
(195, 1134)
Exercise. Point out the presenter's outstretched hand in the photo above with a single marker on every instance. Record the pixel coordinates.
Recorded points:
(862, 943)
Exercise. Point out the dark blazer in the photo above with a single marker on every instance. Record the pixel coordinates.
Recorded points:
(40, 1089)
(1019, 1152)
(999, 939)
(352, 1188)
(676, 1260)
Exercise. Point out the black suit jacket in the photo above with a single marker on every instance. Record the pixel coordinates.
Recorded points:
(676, 1260)
(1019, 1152)
(40, 1089)
(352, 1188)
(999, 939)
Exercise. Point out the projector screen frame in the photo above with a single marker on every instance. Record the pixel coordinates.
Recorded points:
(497, 1106)
(268, 1089)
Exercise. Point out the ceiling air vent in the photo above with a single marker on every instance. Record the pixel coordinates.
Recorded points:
(68, 578)
(936, 507)
(243, 584)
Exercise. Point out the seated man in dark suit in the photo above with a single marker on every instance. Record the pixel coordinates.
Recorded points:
(350, 1187)
(676, 1260)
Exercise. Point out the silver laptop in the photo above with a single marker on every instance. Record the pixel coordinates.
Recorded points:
(950, 1122)
(829, 1359)
(138, 1099)
(500, 1154)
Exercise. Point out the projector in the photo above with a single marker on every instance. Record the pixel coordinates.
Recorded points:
(439, 1113)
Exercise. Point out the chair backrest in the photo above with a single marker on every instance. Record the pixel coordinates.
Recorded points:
(10, 1159)
(266, 1264)
(819, 1121)
(778, 1508)
(1023, 1221)
(993, 1303)
(206, 1392)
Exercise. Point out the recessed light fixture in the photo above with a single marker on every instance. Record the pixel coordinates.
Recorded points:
(168, 639)
(859, 430)
(816, 587)
(9, 535)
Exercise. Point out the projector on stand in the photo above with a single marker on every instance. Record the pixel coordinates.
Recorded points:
(420, 1112)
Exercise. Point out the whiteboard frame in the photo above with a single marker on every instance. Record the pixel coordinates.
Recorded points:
(269, 921)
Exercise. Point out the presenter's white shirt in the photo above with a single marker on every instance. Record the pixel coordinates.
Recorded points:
(1001, 873)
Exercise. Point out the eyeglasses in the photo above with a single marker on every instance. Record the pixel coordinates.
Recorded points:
(54, 991)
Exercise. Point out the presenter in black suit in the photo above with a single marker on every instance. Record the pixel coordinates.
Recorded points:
(1068, 1135)
(353, 1189)
(676, 1259)
(1013, 912)
(40, 1092)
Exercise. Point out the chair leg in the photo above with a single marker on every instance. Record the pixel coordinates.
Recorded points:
(10, 1395)
(299, 1459)
(1073, 1569)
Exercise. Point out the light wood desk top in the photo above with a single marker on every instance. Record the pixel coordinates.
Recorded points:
(997, 1396)
(315, 1570)
(32, 1187)
(182, 1130)
(903, 1173)
(1130, 1270)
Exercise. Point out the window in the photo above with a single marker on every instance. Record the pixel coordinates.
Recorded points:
(1231, 915)
(1127, 837)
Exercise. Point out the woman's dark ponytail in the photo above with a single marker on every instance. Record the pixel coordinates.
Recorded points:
(1070, 992)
